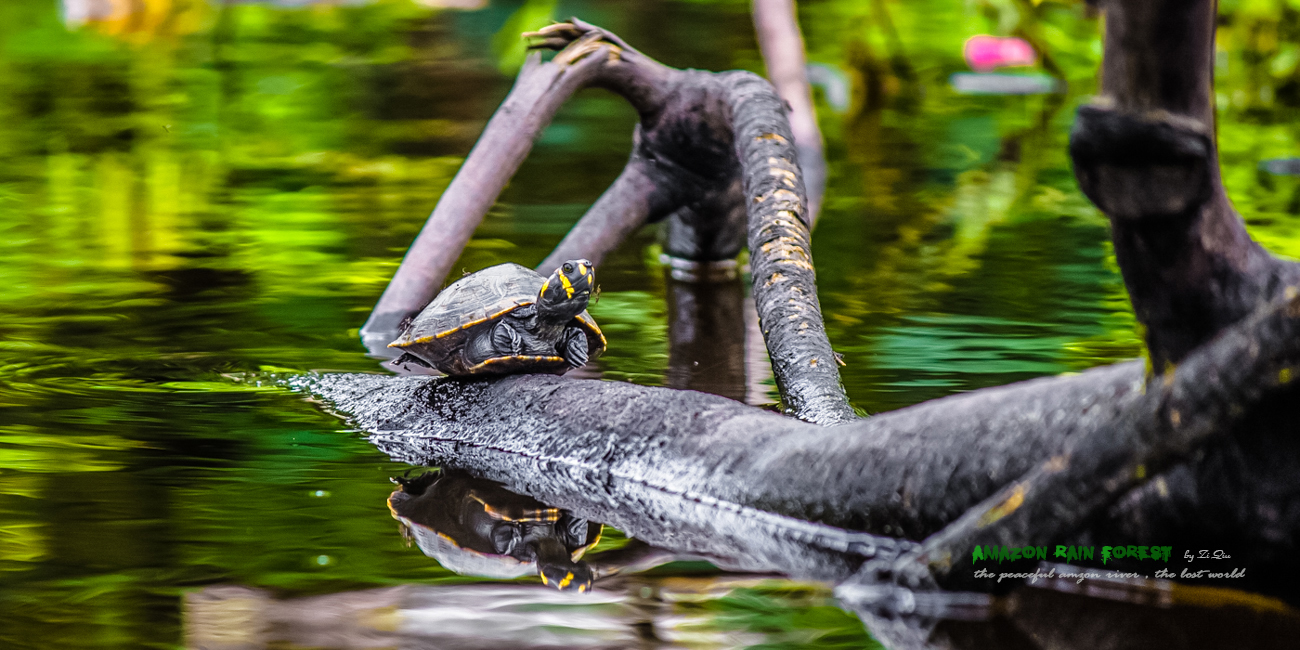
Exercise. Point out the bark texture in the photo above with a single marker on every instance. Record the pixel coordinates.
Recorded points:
(780, 244)
(1179, 413)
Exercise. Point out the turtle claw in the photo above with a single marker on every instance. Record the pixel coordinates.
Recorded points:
(406, 358)
(575, 348)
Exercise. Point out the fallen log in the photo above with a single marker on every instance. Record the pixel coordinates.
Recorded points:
(905, 474)
(1179, 413)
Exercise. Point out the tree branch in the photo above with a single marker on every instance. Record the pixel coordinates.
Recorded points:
(713, 154)
(1145, 154)
(780, 244)
(1177, 414)
(777, 25)
(1054, 453)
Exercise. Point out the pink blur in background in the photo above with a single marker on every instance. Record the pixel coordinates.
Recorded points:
(985, 53)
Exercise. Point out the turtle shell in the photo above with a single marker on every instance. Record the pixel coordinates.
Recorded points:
(473, 304)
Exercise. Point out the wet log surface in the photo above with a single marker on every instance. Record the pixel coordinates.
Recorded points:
(1064, 448)
(901, 473)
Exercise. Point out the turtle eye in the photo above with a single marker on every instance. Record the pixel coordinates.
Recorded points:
(568, 268)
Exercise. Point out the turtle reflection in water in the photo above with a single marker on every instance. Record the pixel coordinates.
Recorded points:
(476, 527)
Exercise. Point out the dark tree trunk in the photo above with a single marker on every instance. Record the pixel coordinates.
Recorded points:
(1145, 153)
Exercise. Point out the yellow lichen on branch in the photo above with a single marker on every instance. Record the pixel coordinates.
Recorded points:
(1006, 507)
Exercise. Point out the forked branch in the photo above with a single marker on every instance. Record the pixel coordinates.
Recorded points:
(713, 154)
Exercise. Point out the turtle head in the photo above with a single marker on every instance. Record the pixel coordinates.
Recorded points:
(566, 576)
(566, 292)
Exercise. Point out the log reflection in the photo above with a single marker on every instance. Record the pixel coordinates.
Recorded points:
(1103, 613)
(679, 603)
(1124, 615)
(706, 334)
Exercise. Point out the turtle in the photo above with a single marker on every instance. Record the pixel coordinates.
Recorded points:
(506, 319)
(474, 526)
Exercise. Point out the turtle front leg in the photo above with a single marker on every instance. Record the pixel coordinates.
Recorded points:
(574, 347)
(506, 340)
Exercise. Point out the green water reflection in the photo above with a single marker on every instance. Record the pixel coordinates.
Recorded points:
(209, 188)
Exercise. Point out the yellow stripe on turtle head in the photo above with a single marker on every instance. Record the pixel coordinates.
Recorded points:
(544, 286)
(568, 577)
(582, 268)
(568, 286)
